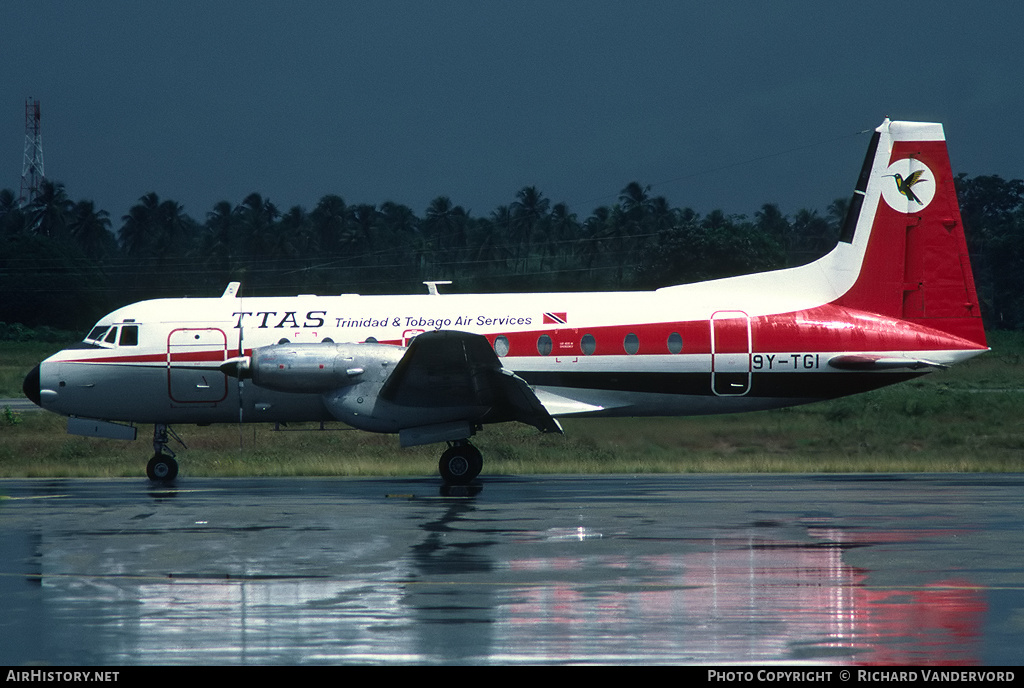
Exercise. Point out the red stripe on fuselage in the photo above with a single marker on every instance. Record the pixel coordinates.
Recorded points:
(826, 328)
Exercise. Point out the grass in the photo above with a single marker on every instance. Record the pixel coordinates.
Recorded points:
(967, 418)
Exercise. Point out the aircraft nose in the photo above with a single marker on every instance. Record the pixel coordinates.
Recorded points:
(31, 386)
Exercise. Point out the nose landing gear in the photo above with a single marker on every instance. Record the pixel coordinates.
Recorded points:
(162, 467)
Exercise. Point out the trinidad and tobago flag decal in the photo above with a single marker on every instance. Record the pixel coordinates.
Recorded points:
(555, 319)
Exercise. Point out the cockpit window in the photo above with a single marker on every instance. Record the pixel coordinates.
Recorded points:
(130, 335)
(113, 335)
(97, 333)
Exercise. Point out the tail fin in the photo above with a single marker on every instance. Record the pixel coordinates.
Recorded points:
(907, 237)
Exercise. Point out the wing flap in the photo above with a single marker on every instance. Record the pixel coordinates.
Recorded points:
(448, 368)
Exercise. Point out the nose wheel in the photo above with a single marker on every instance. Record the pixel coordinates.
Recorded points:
(162, 468)
(460, 464)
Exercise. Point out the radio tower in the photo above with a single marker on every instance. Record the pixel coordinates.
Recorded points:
(32, 174)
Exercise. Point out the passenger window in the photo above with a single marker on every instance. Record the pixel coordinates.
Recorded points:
(544, 345)
(588, 344)
(631, 344)
(675, 343)
(501, 345)
(130, 335)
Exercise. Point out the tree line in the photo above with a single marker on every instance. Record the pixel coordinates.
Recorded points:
(63, 263)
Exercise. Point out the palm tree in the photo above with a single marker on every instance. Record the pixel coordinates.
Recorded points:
(494, 234)
(399, 221)
(564, 229)
(444, 224)
(174, 230)
(218, 245)
(293, 236)
(529, 211)
(397, 233)
(12, 219)
(257, 218)
(633, 228)
(139, 226)
(91, 229)
(365, 218)
(636, 202)
(810, 237)
(48, 212)
(770, 222)
(836, 214)
(330, 224)
(594, 229)
(662, 217)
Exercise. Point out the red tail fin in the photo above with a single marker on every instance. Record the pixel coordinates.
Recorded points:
(915, 264)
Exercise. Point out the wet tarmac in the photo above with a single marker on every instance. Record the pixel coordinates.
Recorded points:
(825, 569)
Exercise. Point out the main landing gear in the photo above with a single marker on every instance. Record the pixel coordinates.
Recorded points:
(460, 463)
(162, 467)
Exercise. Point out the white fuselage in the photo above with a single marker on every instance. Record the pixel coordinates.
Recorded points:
(666, 352)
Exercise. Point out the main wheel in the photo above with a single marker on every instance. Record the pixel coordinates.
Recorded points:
(162, 468)
(460, 464)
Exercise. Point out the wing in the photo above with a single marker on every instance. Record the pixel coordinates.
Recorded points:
(914, 178)
(446, 368)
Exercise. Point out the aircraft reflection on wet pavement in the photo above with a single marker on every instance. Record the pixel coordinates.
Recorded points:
(687, 569)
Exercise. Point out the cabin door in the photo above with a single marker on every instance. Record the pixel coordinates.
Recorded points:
(730, 353)
(194, 356)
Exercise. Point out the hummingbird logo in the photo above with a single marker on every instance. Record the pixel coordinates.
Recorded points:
(914, 187)
(905, 186)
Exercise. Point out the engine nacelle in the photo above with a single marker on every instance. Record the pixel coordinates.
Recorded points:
(315, 368)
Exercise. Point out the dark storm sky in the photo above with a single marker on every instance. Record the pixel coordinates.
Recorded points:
(716, 105)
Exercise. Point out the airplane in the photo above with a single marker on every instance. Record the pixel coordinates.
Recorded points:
(893, 300)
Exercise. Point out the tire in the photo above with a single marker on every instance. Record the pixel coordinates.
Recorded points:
(162, 468)
(460, 464)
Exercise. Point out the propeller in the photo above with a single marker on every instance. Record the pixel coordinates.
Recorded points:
(237, 366)
(239, 362)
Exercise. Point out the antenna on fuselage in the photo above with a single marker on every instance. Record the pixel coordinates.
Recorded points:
(432, 286)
